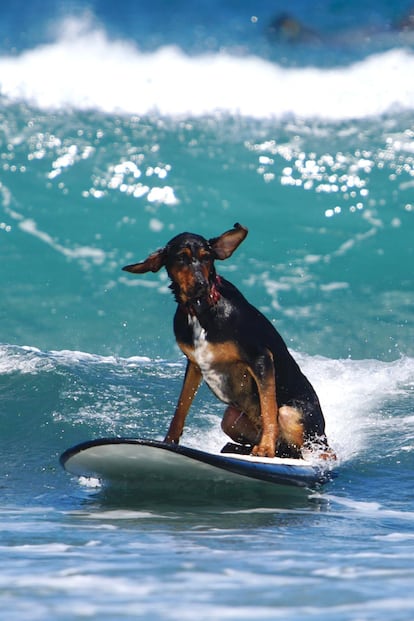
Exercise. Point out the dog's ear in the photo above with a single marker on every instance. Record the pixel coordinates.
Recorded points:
(226, 244)
(153, 263)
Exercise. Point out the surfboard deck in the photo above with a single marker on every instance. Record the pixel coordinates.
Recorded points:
(147, 464)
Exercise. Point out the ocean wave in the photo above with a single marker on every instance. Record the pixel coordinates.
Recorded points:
(358, 396)
(84, 69)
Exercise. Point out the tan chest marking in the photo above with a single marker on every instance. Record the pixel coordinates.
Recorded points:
(212, 358)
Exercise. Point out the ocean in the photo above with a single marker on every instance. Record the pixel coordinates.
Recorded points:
(122, 125)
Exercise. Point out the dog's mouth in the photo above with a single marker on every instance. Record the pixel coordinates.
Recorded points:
(201, 296)
(196, 296)
(199, 291)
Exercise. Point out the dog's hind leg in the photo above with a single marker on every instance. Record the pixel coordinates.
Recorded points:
(239, 427)
(291, 430)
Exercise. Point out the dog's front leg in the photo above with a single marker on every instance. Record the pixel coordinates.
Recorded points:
(189, 389)
(264, 374)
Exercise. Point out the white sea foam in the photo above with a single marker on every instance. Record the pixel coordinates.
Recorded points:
(90, 482)
(352, 394)
(31, 360)
(84, 69)
(373, 510)
(122, 514)
(46, 548)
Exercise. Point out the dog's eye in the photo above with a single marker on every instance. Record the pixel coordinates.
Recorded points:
(205, 257)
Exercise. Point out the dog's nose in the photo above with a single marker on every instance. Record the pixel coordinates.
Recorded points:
(199, 273)
(196, 265)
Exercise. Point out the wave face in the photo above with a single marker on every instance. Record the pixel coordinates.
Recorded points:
(120, 127)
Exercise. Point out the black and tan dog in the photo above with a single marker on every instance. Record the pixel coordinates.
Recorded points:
(271, 405)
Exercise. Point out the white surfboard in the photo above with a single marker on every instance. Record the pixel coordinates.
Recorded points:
(146, 464)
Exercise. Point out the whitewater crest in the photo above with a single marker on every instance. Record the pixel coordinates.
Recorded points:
(91, 71)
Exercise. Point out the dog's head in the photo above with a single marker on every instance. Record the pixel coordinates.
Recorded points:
(189, 261)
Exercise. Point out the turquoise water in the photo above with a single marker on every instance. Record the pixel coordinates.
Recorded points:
(118, 131)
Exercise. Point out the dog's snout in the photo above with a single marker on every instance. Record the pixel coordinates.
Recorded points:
(201, 280)
(197, 267)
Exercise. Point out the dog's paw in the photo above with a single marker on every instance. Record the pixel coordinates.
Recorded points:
(170, 440)
(263, 450)
(328, 454)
